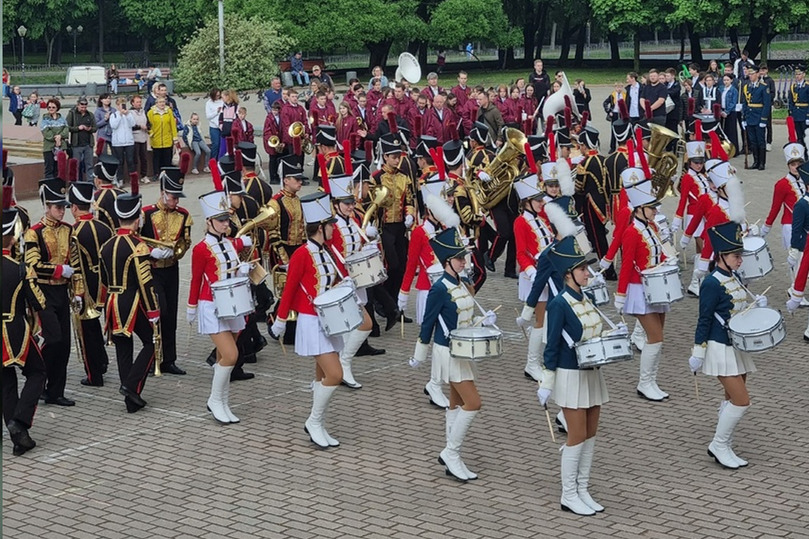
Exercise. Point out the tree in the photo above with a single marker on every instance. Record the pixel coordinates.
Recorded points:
(253, 48)
(455, 22)
(166, 23)
(45, 19)
(628, 17)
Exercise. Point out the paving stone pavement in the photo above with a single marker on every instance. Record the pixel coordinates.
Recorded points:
(171, 471)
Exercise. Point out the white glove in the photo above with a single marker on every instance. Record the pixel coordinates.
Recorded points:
(695, 363)
(247, 241)
(419, 354)
(244, 269)
(489, 319)
(672, 261)
(484, 177)
(371, 246)
(349, 282)
(78, 301)
(665, 234)
(761, 301)
(684, 241)
(764, 231)
(161, 253)
(156, 318)
(67, 271)
(278, 328)
(190, 315)
(739, 109)
(744, 124)
(604, 264)
(531, 272)
(763, 125)
(792, 304)
(807, 121)
(408, 222)
(619, 303)
(620, 329)
(676, 225)
(402, 301)
(597, 280)
(543, 394)
(793, 257)
(371, 232)
(753, 230)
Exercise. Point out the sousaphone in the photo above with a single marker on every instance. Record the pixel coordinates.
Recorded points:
(555, 103)
(409, 68)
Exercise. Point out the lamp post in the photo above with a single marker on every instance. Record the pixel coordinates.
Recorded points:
(221, 14)
(22, 30)
(74, 32)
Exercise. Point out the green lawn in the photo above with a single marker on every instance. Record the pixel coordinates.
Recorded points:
(590, 76)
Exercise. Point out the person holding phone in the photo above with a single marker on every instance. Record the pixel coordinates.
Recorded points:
(123, 140)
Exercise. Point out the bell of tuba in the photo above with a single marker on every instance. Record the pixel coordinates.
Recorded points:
(409, 68)
(379, 194)
(503, 169)
(262, 218)
(555, 103)
(667, 165)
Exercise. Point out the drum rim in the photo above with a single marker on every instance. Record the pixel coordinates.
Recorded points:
(329, 291)
(361, 256)
(493, 332)
(231, 281)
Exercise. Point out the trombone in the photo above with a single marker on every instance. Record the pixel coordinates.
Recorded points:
(157, 341)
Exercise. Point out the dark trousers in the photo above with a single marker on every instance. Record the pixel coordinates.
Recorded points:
(739, 120)
(769, 130)
(161, 157)
(477, 272)
(274, 160)
(133, 375)
(50, 164)
(595, 229)
(126, 158)
(23, 406)
(95, 354)
(55, 319)
(167, 287)
(731, 129)
(504, 236)
(141, 159)
(800, 130)
(755, 137)
(17, 117)
(394, 242)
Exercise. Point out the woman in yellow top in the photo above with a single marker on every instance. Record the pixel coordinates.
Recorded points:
(162, 134)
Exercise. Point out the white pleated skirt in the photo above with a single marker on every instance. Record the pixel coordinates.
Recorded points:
(421, 305)
(700, 228)
(311, 340)
(524, 285)
(450, 369)
(786, 235)
(580, 388)
(724, 360)
(362, 296)
(209, 324)
(636, 302)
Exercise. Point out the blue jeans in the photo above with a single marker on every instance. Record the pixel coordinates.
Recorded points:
(216, 136)
(200, 148)
(84, 155)
(305, 78)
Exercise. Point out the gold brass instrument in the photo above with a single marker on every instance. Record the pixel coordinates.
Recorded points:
(298, 130)
(78, 333)
(157, 243)
(667, 165)
(157, 341)
(274, 141)
(503, 169)
(257, 272)
(378, 196)
(279, 281)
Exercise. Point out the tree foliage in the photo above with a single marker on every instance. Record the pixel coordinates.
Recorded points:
(253, 48)
(44, 19)
(167, 23)
(454, 22)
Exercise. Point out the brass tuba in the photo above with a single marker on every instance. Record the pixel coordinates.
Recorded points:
(502, 170)
(298, 130)
(279, 281)
(667, 165)
(378, 195)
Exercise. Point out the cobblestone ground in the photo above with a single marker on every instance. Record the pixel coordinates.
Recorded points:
(171, 471)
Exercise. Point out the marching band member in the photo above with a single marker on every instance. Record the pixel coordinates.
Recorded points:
(423, 154)
(789, 189)
(8, 184)
(800, 224)
(254, 184)
(213, 259)
(327, 145)
(721, 296)
(287, 233)
(617, 161)
(450, 305)
(132, 305)
(756, 108)
(312, 271)
(47, 254)
(168, 222)
(105, 173)
(642, 249)
(89, 234)
(579, 392)
(20, 291)
(438, 215)
(796, 292)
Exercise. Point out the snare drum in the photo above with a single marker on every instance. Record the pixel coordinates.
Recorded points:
(603, 351)
(661, 221)
(662, 285)
(434, 273)
(756, 258)
(599, 292)
(476, 343)
(257, 273)
(756, 330)
(583, 241)
(338, 310)
(232, 297)
(366, 268)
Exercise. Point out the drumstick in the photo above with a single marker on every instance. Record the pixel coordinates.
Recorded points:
(401, 326)
(550, 426)
(281, 342)
(524, 334)
(696, 385)
(754, 304)
(481, 320)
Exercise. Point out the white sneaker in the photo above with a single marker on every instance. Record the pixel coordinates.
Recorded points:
(769, 147)
(206, 169)
(194, 171)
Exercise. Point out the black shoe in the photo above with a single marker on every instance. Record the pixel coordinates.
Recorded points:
(61, 401)
(511, 275)
(610, 275)
(392, 319)
(97, 383)
(171, 368)
(131, 407)
(250, 358)
(404, 318)
(375, 332)
(19, 435)
(211, 359)
(488, 262)
(260, 344)
(236, 376)
(134, 397)
(368, 350)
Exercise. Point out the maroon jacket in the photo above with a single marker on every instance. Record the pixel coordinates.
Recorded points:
(428, 92)
(507, 108)
(404, 109)
(529, 105)
(373, 100)
(289, 115)
(325, 115)
(345, 128)
(439, 128)
(241, 133)
(271, 128)
(462, 94)
(469, 114)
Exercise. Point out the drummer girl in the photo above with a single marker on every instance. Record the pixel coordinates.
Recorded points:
(579, 392)
(312, 272)
(721, 296)
(789, 189)
(642, 249)
(213, 259)
(451, 305)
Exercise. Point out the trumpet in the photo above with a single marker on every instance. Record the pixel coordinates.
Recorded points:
(157, 341)
(274, 141)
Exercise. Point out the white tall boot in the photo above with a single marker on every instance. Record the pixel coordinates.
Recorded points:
(583, 481)
(352, 343)
(226, 403)
(451, 455)
(638, 337)
(561, 422)
(719, 447)
(649, 360)
(221, 379)
(314, 424)
(536, 345)
(570, 470)
(655, 368)
(696, 278)
(333, 442)
(433, 388)
(452, 415)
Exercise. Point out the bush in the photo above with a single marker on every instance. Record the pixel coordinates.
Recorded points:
(253, 48)
(718, 43)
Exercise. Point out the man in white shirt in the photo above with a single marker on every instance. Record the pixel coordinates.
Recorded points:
(633, 93)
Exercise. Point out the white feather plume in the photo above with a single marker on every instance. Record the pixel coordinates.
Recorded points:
(556, 214)
(442, 211)
(733, 189)
(565, 176)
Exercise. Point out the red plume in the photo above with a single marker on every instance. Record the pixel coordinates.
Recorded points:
(717, 111)
(369, 151)
(793, 135)
(630, 155)
(692, 106)
(296, 146)
(623, 111)
(229, 142)
(529, 157)
(585, 117)
(185, 163)
(639, 139)
(549, 126)
(568, 103)
(569, 118)
(73, 170)
(99, 147)
(717, 151)
(453, 130)
(417, 126)
(552, 146)
(438, 159)
(324, 172)
(61, 165)
(217, 178)
(698, 130)
(642, 156)
(8, 196)
(347, 165)
(238, 162)
(394, 128)
(134, 184)
(5, 159)
(648, 110)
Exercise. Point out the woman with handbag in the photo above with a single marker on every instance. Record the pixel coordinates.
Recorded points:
(55, 136)
(228, 114)
(162, 134)
(31, 111)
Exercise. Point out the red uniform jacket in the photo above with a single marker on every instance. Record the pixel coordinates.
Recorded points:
(373, 101)
(529, 105)
(326, 115)
(702, 207)
(306, 279)
(420, 255)
(289, 115)
(440, 127)
(469, 115)
(205, 268)
(507, 109)
(345, 128)
(639, 242)
(692, 186)
(717, 215)
(786, 193)
(462, 94)
(271, 128)
(803, 270)
(622, 220)
(529, 239)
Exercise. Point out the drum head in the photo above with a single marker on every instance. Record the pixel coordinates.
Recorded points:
(228, 283)
(660, 270)
(333, 295)
(475, 333)
(754, 321)
(753, 243)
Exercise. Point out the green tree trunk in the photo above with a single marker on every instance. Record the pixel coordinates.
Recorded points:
(636, 52)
